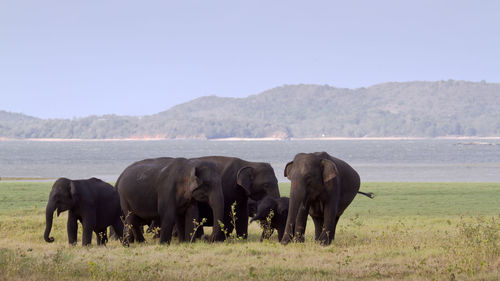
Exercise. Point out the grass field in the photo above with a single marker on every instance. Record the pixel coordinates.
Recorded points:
(410, 231)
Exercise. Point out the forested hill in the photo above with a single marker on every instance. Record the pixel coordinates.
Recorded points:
(418, 109)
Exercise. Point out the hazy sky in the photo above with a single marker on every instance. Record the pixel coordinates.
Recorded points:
(77, 58)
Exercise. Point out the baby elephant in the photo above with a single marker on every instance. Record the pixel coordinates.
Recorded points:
(94, 203)
(276, 220)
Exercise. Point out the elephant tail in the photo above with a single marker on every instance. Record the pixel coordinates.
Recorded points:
(370, 195)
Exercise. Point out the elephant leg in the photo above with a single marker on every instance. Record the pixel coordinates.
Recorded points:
(87, 235)
(206, 212)
(281, 231)
(228, 224)
(263, 235)
(199, 233)
(72, 228)
(335, 227)
(98, 238)
(137, 231)
(300, 224)
(318, 226)
(191, 216)
(102, 237)
(89, 223)
(167, 220)
(106, 239)
(267, 231)
(128, 236)
(280, 226)
(156, 229)
(180, 228)
(117, 228)
(242, 220)
(134, 228)
(329, 224)
(167, 225)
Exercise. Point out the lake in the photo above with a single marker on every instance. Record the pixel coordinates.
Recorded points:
(429, 160)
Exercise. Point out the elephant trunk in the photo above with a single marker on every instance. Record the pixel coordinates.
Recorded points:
(297, 197)
(216, 201)
(49, 214)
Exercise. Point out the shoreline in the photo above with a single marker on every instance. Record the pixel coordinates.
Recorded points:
(259, 139)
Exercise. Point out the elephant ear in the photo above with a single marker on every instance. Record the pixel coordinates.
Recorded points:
(288, 169)
(194, 182)
(273, 207)
(74, 191)
(329, 170)
(244, 178)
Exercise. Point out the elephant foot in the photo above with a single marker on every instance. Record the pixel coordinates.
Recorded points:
(286, 239)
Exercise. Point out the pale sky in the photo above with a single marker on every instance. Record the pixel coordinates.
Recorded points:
(64, 59)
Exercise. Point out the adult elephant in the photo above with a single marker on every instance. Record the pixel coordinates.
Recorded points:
(94, 203)
(167, 191)
(241, 180)
(322, 186)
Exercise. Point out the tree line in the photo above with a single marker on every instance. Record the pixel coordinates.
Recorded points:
(415, 109)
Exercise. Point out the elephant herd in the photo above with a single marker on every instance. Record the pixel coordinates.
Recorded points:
(176, 194)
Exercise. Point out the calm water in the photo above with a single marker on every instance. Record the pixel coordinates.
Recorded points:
(375, 160)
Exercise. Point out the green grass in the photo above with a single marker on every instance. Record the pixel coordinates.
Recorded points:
(410, 231)
(16, 196)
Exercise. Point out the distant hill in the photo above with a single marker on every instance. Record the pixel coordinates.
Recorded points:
(410, 109)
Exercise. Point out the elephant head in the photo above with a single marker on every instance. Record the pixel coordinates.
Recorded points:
(310, 176)
(206, 186)
(62, 198)
(264, 208)
(258, 180)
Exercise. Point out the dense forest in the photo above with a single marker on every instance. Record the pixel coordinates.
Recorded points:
(410, 109)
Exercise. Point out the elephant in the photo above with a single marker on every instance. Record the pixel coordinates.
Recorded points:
(167, 191)
(241, 180)
(322, 186)
(252, 207)
(94, 203)
(277, 221)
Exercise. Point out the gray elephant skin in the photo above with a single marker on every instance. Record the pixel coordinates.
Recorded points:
(322, 186)
(279, 208)
(94, 203)
(241, 180)
(168, 191)
(252, 207)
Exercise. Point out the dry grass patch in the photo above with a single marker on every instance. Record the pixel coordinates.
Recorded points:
(372, 243)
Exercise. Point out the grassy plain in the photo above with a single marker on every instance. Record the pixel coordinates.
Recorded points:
(410, 231)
